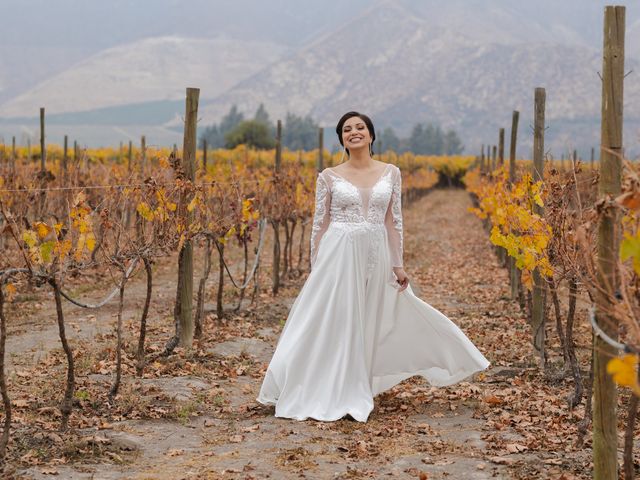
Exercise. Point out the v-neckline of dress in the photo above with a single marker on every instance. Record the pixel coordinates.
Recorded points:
(382, 175)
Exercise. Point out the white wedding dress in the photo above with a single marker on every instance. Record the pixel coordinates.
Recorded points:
(350, 334)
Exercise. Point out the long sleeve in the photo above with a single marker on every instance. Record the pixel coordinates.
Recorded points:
(321, 216)
(393, 221)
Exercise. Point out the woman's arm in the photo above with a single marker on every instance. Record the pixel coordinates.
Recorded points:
(321, 216)
(393, 221)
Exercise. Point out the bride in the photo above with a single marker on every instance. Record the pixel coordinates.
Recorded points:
(356, 329)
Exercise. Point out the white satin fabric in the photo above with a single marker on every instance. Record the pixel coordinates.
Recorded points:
(350, 334)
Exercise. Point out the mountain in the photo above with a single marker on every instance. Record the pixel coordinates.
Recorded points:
(147, 70)
(401, 67)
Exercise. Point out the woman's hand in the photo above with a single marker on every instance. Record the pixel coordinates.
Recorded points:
(402, 278)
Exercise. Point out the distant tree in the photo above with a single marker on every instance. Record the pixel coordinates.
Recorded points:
(431, 140)
(299, 133)
(417, 141)
(388, 140)
(262, 115)
(452, 143)
(215, 134)
(250, 132)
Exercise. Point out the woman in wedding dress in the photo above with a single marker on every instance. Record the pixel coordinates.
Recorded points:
(356, 328)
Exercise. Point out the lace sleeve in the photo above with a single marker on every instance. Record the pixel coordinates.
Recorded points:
(321, 216)
(393, 221)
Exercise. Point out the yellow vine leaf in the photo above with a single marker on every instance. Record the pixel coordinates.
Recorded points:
(45, 251)
(91, 241)
(630, 248)
(30, 238)
(192, 204)
(43, 229)
(624, 371)
(11, 289)
(144, 211)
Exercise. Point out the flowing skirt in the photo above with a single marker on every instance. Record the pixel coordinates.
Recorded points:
(351, 335)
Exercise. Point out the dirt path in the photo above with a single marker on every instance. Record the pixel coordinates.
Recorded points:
(215, 429)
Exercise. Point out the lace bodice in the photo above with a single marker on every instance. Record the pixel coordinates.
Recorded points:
(339, 200)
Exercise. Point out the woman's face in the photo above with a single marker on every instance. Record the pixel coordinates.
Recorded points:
(355, 134)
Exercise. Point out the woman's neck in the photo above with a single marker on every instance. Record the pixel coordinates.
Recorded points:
(360, 159)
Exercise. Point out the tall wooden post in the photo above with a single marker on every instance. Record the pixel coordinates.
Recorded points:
(276, 223)
(593, 154)
(204, 155)
(494, 158)
(605, 439)
(482, 159)
(65, 158)
(185, 263)
(130, 157)
(501, 147)
(537, 313)
(514, 273)
(43, 147)
(143, 155)
(13, 157)
(319, 165)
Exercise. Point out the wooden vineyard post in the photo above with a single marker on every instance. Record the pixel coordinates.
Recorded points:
(65, 159)
(320, 149)
(514, 273)
(143, 155)
(502, 252)
(494, 158)
(501, 147)
(276, 222)
(482, 159)
(488, 169)
(43, 148)
(13, 157)
(185, 265)
(204, 156)
(605, 438)
(593, 154)
(538, 310)
(43, 165)
(129, 157)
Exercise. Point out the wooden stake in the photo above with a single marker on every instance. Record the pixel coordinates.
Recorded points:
(65, 157)
(605, 439)
(501, 147)
(143, 155)
(43, 147)
(185, 265)
(204, 155)
(320, 149)
(538, 310)
(514, 273)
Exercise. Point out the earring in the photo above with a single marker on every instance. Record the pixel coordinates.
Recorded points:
(370, 150)
(342, 157)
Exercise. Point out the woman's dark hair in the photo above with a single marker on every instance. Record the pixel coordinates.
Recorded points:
(367, 121)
